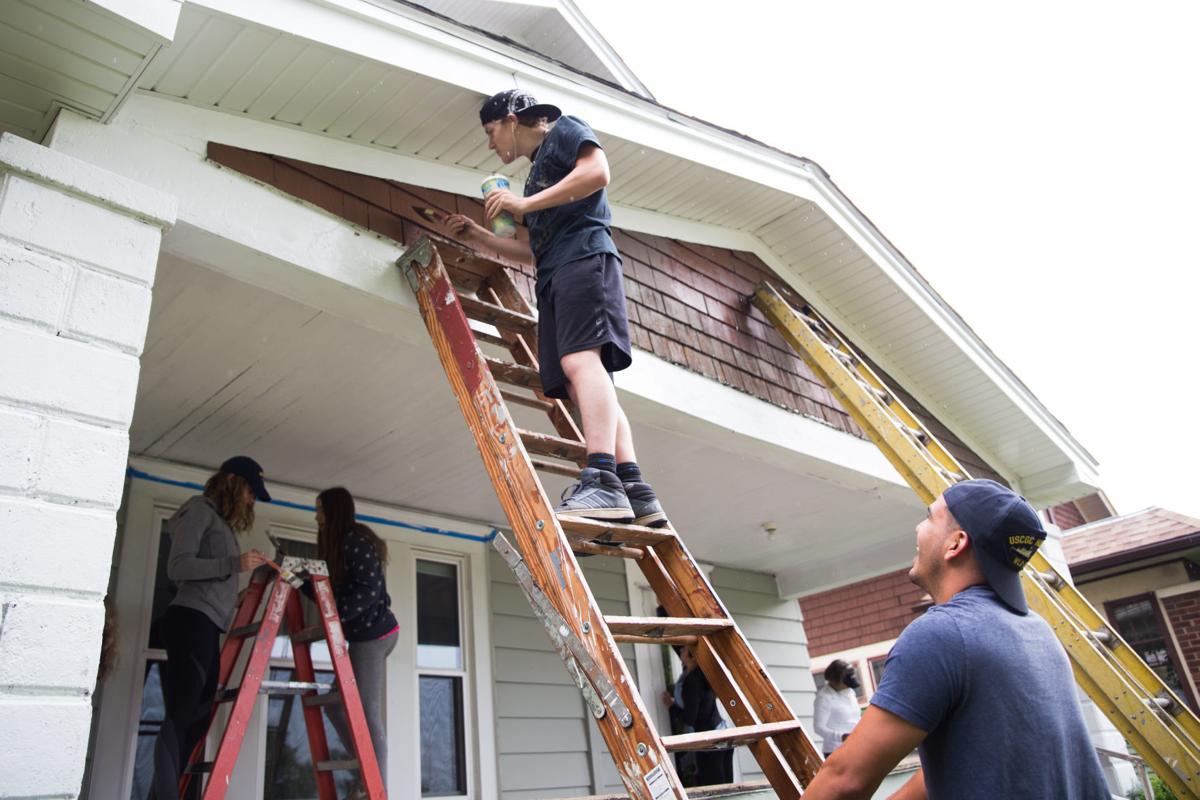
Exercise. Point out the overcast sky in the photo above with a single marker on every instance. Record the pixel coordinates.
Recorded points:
(1037, 163)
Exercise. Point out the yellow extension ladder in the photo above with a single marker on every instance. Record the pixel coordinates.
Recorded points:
(1147, 713)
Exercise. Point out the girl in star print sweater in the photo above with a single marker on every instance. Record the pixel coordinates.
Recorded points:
(355, 556)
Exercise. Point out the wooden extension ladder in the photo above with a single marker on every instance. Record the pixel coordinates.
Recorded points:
(263, 630)
(454, 285)
(1159, 726)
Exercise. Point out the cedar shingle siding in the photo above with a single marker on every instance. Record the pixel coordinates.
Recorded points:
(687, 302)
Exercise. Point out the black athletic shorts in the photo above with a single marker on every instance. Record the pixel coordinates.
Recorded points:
(581, 308)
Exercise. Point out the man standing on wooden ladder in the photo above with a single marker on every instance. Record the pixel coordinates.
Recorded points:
(583, 332)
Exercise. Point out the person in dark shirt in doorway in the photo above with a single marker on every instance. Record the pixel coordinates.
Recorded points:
(583, 332)
(694, 706)
(979, 685)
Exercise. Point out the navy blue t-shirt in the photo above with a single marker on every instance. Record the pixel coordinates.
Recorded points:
(993, 690)
(574, 230)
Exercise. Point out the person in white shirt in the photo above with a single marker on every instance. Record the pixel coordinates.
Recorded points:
(835, 711)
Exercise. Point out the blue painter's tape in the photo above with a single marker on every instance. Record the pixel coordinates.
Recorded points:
(395, 523)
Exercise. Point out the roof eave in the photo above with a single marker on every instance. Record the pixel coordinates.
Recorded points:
(646, 121)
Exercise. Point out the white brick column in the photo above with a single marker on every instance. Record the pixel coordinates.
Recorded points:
(78, 250)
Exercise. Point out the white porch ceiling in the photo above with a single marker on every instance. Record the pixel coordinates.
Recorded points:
(319, 400)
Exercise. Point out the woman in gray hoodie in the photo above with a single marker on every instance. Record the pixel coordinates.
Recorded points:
(204, 563)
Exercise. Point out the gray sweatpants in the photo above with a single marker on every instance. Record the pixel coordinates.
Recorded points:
(369, 660)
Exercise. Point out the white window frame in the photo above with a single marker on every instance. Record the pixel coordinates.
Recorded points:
(466, 659)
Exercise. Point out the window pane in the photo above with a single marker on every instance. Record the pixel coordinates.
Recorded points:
(877, 670)
(164, 589)
(1138, 625)
(443, 757)
(288, 772)
(149, 723)
(438, 645)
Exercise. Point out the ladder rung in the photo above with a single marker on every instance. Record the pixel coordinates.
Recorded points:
(335, 766)
(497, 315)
(490, 338)
(633, 638)
(313, 633)
(578, 528)
(615, 550)
(547, 445)
(667, 626)
(918, 434)
(516, 374)
(291, 687)
(525, 400)
(555, 467)
(327, 699)
(728, 737)
(245, 631)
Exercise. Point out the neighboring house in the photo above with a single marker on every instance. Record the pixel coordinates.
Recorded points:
(1142, 571)
(201, 209)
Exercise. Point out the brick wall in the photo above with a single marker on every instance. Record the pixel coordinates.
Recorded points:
(856, 614)
(78, 251)
(687, 302)
(1183, 614)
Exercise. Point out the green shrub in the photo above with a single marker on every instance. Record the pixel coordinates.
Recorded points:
(1161, 790)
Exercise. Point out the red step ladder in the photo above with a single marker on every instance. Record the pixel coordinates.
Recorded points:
(248, 625)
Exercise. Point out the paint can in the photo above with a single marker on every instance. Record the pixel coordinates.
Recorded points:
(503, 224)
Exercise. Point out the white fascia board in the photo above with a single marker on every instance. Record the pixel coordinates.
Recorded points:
(158, 18)
(904, 277)
(261, 236)
(600, 47)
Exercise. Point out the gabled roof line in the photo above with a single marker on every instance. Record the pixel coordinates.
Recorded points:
(816, 173)
(1094, 525)
(602, 49)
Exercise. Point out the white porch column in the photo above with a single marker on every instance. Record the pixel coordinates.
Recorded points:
(78, 249)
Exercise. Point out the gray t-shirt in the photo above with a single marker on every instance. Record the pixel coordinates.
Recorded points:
(993, 689)
(574, 230)
(204, 561)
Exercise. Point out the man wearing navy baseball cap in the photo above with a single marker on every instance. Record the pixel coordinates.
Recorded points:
(978, 685)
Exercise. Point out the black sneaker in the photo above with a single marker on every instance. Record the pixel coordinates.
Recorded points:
(646, 508)
(598, 495)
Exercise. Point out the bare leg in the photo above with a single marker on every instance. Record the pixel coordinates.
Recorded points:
(594, 395)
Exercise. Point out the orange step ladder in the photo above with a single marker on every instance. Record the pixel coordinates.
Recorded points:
(248, 625)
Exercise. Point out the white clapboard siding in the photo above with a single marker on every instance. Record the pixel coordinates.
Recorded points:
(775, 629)
(546, 744)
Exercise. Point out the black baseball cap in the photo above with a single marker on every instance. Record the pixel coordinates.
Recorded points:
(515, 101)
(248, 470)
(1005, 532)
